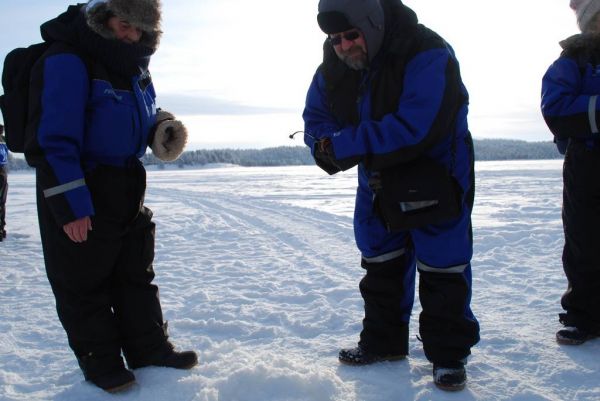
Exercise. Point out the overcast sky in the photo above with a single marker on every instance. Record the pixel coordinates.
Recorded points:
(236, 71)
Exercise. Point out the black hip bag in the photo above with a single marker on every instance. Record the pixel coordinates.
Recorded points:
(415, 194)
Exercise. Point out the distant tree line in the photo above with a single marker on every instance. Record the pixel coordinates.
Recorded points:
(280, 156)
(507, 149)
(485, 149)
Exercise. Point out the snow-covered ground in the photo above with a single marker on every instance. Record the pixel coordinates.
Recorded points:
(259, 273)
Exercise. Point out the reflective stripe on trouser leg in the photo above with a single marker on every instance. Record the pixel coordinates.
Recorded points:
(447, 325)
(388, 292)
(452, 269)
(385, 257)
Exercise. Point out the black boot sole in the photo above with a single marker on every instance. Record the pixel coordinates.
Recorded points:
(186, 367)
(446, 387)
(570, 341)
(120, 388)
(390, 358)
(573, 341)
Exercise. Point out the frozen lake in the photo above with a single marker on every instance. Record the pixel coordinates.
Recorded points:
(258, 272)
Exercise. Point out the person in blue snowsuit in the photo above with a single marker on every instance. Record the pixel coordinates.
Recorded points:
(570, 106)
(389, 96)
(3, 183)
(92, 115)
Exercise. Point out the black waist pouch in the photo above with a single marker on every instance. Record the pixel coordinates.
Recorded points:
(415, 194)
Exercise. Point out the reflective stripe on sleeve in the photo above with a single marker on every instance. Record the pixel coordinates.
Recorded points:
(64, 188)
(592, 114)
(454, 269)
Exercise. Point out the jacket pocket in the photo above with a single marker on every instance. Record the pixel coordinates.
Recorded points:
(110, 122)
(415, 194)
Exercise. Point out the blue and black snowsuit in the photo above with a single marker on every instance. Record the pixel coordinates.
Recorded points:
(3, 188)
(570, 106)
(92, 112)
(410, 103)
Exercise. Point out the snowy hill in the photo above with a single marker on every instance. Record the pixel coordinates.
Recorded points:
(258, 272)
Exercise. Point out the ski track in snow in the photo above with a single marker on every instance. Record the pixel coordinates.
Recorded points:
(259, 273)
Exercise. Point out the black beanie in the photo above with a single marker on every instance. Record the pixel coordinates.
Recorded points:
(333, 22)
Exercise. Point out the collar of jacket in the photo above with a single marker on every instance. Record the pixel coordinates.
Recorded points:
(583, 47)
(581, 41)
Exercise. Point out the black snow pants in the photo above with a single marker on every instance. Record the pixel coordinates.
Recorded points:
(581, 222)
(3, 193)
(447, 326)
(103, 287)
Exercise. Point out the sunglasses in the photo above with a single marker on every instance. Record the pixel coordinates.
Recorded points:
(349, 36)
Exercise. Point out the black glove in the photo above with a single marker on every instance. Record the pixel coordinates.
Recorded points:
(325, 158)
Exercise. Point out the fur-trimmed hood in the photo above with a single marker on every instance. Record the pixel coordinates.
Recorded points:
(581, 41)
(142, 14)
(71, 28)
(584, 48)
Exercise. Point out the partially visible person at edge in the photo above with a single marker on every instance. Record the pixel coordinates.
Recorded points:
(570, 106)
(93, 117)
(3, 183)
(389, 93)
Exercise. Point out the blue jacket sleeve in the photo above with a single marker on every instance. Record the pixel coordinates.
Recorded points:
(569, 104)
(3, 154)
(60, 135)
(319, 124)
(427, 107)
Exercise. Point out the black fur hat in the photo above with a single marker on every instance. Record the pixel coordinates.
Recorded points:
(142, 14)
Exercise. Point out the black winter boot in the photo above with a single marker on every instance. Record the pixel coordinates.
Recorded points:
(358, 356)
(450, 376)
(106, 371)
(166, 356)
(115, 381)
(571, 335)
